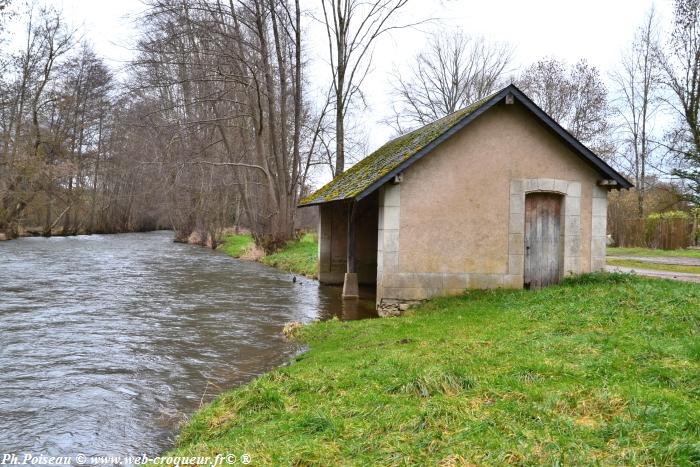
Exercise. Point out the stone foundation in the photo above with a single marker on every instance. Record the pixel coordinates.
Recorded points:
(389, 308)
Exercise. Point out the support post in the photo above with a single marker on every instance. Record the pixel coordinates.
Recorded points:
(350, 285)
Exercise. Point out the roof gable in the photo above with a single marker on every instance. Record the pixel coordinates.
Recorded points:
(398, 154)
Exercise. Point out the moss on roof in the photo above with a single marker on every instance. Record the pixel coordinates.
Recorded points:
(372, 168)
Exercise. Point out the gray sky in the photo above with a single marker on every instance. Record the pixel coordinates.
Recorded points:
(597, 30)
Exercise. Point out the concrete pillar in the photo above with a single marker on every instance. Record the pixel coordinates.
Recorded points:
(350, 287)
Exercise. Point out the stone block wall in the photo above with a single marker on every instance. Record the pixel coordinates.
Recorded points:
(387, 238)
(599, 228)
(395, 286)
(570, 227)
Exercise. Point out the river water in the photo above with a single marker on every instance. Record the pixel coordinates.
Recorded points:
(108, 342)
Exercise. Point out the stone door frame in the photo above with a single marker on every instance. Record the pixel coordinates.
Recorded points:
(571, 224)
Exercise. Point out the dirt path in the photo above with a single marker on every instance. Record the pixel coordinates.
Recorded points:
(676, 260)
(678, 276)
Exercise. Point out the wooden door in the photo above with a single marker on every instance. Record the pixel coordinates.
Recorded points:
(543, 253)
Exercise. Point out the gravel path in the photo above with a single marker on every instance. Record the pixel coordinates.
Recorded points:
(678, 276)
(677, 260)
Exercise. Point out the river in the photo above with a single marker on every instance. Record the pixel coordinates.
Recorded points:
(110, 341)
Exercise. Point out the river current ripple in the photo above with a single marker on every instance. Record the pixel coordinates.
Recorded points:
(108, 342)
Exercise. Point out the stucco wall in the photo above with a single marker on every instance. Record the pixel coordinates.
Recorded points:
(453, 208)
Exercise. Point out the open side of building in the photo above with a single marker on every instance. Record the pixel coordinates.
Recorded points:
(496, 195)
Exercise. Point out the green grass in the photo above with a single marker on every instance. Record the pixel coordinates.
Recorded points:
(298, 256)
(652, 252)
(604, 369)
(629, 263)
(236, 245)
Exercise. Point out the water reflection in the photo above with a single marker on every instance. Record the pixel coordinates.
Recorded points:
(333, 305)
(108, 342)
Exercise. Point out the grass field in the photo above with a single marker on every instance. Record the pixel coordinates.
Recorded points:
(652, 252)
(629, 263)
(236, 245)
(604, 369)
(298, 256)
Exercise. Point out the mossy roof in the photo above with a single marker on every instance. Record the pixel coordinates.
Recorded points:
(374, 167)
(377, 168)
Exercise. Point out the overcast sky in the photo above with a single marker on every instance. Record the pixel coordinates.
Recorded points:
(597, 30)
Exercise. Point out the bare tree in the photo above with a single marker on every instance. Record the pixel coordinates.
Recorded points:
(575, 97)
(352, 28)
(638, 89)
(223, 82)
(27, 153)
(452, 72)
(681, 66)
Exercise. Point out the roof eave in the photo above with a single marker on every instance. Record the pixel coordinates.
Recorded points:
(591, 158)
(323, 201)
(596, 162)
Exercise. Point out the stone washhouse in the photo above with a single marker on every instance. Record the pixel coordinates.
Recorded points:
(495, 195)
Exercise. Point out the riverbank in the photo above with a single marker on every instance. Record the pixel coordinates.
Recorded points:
(297, 256)
(601, 369)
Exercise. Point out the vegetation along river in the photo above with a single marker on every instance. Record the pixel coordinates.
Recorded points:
(110, 341)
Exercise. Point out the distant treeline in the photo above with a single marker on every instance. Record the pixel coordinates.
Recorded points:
(214, 123)
(209, 128)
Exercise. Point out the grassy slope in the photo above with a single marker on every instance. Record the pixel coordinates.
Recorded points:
(656, 266)
(652, 252)
(236, 245)
(297, 256)
(605, 368)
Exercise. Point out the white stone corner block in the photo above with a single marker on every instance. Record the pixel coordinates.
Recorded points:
(572, 206)
(545, 184)
(572, 245)
(561, 186)
(600, 192)
(598, 247)
(599, 228)
(516, 264)
(571, 265)
(600, 207)
(517, 203)
(516, 187)
(531, 185)
(597, 264)
(392, 195)
(516, 245)
(391, 240)
(517, 223)
(572, 225)
(391, 217)
(574, 189)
